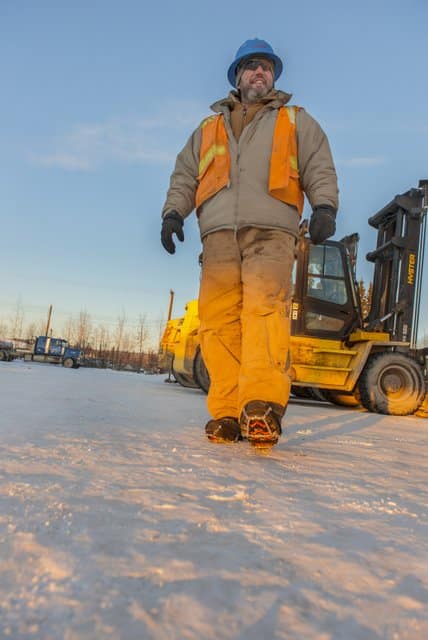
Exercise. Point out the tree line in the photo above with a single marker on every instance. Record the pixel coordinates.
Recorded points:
(125, 344)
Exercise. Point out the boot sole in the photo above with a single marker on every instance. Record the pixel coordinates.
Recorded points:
(260, 435)
(223, 440)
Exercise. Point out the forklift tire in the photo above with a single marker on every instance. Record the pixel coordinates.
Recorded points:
(200, 372)
(342, 399)
(184, 379)
(68, 363)
(422, 411)
(391, 383)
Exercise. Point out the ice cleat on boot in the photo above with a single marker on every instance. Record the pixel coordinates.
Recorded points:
(261, 424)
(225, 429)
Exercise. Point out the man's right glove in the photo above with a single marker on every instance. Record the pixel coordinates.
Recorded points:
(171, 223)
(322, 224)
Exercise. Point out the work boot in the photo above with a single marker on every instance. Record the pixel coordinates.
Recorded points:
(261, 423)
(223, 430)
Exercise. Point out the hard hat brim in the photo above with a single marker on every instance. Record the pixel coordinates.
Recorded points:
(277, 65)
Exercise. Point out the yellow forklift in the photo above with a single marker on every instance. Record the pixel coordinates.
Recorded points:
(336, 354)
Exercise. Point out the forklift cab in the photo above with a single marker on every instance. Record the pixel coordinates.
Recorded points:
(325, 295)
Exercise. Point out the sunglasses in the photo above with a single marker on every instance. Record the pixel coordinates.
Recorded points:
(254, 63)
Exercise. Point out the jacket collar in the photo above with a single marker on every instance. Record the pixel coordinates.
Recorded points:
(274, 99)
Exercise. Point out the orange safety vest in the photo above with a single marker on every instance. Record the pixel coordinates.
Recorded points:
(214, 160)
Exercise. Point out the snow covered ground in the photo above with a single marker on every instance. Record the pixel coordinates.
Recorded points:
(118, 519)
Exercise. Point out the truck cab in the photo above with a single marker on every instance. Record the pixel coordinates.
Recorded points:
(55, 351)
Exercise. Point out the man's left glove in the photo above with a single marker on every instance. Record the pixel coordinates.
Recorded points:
(322, 224)
(171, 223)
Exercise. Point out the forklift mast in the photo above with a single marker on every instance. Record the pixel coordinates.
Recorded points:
(398, 265)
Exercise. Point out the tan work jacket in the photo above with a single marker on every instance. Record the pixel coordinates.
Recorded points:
(245, 201)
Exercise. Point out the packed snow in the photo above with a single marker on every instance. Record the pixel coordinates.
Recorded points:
(120, 520)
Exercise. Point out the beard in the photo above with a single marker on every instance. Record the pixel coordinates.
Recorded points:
(254, 94)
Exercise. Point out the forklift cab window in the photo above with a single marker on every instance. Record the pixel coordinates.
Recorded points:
(326, 278)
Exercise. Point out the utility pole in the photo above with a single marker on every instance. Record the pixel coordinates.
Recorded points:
(171, 300)
(48, 324)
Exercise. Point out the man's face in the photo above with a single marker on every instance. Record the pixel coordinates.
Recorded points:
(257, 78)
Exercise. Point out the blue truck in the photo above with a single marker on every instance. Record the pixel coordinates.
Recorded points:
(54, 351)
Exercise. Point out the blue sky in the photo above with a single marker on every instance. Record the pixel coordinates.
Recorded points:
(98, 97)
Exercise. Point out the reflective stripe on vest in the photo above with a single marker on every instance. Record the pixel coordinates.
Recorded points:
(214, 160)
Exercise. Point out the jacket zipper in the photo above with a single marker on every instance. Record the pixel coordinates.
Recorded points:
(238, 155)
(235, 225)
(244, 116)
(244, 124)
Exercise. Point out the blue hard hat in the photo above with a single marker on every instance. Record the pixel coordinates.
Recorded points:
(254, 47)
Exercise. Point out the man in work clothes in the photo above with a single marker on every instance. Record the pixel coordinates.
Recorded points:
(246, 170)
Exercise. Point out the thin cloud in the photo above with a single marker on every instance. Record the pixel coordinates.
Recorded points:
(149, 140)
(61, 160)
(365, 161)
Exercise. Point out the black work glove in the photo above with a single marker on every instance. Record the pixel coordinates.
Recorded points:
(171, 223)
(322, 224)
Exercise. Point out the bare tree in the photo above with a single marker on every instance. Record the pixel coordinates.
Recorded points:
(103, 341)
(40, 328)
(17, 320)
(119, 333)
(127, 343)
(83, 329)
(162, 323)
(68, 329)
(141, 338)
(30, 331)
(4, 329)
(365, 297)
(369, 296)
